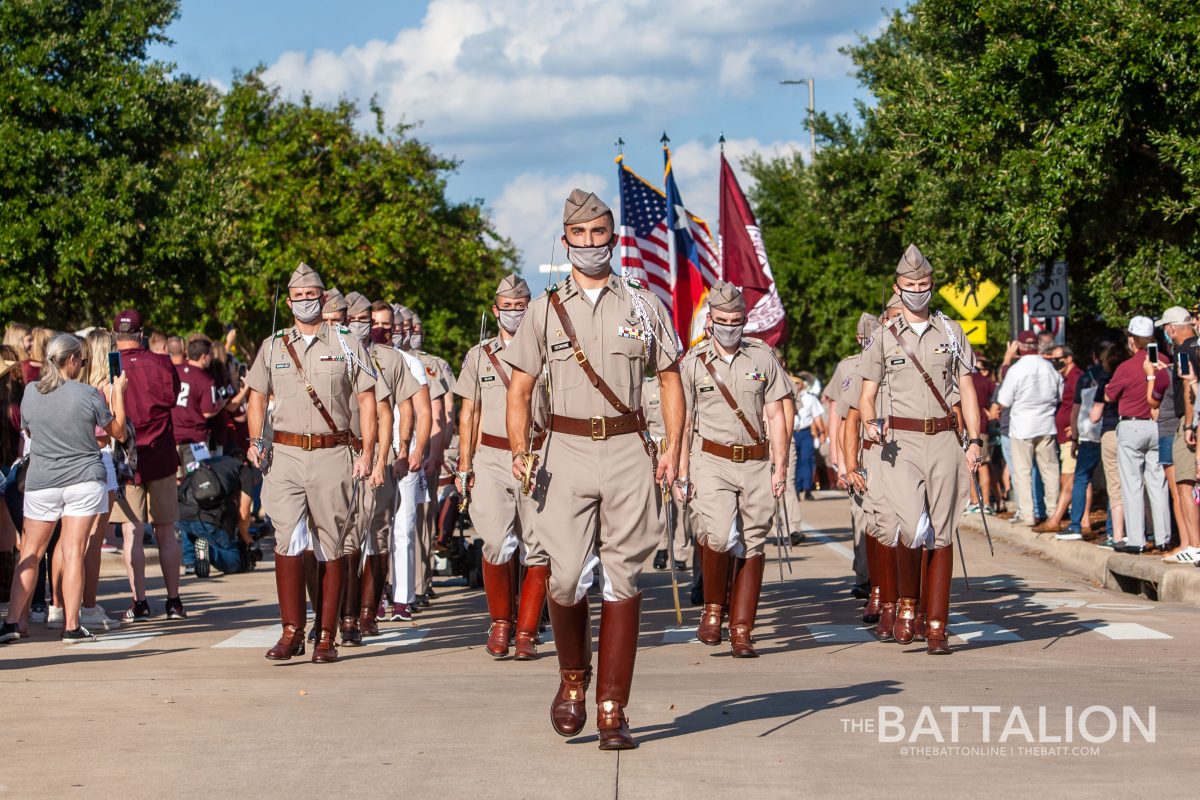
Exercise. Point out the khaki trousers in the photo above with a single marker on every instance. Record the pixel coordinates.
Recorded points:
(306, 490)
(790, 497)
(597, 505)
(919, 473)
(1045, 450)
(730, 498)
(500, 513)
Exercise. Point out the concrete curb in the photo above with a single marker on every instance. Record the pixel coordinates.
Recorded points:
(1144, 575)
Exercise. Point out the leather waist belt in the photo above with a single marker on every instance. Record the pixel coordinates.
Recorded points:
(928, 426)
(736, 453)
(313, 441)
(1134, 419)
(598, 428)
(501, 443)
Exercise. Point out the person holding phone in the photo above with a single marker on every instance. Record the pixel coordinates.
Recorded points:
(1180, 330)
(1137, 439)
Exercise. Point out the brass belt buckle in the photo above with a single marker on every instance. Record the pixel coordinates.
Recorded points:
(929, 425)
(306, 442)
(603, 429)
(739, 453)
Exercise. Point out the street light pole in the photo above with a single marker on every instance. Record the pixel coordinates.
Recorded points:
(812, 128)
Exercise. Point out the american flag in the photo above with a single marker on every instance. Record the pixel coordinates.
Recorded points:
(645, 254)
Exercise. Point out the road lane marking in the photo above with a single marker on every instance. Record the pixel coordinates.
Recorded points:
(677, 635)
(117, 641)
(1126, 630)
(266, 636)
(968, 630)
(839, 633)
(828, 541)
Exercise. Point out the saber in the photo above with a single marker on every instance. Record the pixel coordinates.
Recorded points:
(983, 516)
(785, 540)
(671, 520)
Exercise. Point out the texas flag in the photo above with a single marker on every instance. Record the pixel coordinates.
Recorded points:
(744, 261)
(696, 266)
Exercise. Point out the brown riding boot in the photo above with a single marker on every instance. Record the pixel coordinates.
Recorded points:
(332, 575)
(886, 563)
(620, 621)
(289, 584)
(919, 622)
(715, 567)
(529, 611)
(870, 612)
(351, 635)
(497, 585)
(941, 570)
(572, 626)
(369, 593)
(743, 606)
(908, 582)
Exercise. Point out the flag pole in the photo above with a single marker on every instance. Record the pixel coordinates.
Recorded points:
(672, 256)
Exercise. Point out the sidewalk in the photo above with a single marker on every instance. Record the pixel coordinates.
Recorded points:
(1147, 575)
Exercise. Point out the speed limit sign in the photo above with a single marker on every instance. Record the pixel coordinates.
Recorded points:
(1048, 291)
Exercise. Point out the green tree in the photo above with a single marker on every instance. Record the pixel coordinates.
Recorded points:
(100, 203)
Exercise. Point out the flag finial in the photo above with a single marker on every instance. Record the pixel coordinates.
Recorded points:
(620, 145)
(665, 139)
(722, 141)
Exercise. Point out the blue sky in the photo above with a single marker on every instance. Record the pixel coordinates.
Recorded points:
(530, 95)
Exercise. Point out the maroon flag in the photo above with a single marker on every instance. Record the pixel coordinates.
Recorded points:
(744, 261)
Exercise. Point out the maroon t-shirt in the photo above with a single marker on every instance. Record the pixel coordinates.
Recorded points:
(1062, 417)
(197, 397)
(149, 400)
(1128, 386)
(984, 387)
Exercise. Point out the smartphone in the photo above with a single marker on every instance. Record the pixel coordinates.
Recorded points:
(1152, 352)
(1184, 362)
(114, 364)
(241, 370)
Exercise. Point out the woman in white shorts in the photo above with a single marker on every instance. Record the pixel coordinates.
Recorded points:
(65, 479)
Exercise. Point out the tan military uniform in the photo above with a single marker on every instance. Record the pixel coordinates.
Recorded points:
(843, 391)
(919, 472)
(304, 489)
(598, 502)
(502, 515)
(731, 493)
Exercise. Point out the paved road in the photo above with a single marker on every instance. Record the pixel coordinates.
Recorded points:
(191, 709)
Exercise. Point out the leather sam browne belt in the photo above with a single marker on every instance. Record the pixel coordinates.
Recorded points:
(312, 441)
(928, 426)
(501, 443)
(598, 428)
(737, 453)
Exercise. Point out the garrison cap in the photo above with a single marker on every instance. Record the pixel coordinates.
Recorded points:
(513, 287)
(334, 302)
(305, 277)
(867, 323)
(893, 302)
(724, 296)
(357, 303)
(416, 319)
(583, 206)
(913, 264)
(404, 313)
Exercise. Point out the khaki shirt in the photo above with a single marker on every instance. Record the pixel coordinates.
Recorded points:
(438, 384)
(492, 394)
(395, 380)
(845, 386)
(613, 337)
(324, 361)
(754, 378)
(652, 408)
(885, 360)
(833, 389)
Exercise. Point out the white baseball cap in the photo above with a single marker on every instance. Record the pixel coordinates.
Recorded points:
(1141, 326)
(1175, 315)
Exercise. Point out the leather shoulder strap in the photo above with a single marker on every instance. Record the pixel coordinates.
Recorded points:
(602, 387)
(496, 366)
(925, 375)
(737, 411)
(308, 387)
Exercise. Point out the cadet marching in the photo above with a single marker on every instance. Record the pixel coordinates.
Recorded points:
(588, 438)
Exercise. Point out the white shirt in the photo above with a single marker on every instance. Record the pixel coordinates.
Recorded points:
(808, 408)
(1031, 390)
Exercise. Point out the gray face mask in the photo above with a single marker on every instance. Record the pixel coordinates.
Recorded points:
(916, 301)
(728, 336)
(511, 320)
(398, 340)
(306, 311)
(591, 261)
(360, 330)
(415, 340)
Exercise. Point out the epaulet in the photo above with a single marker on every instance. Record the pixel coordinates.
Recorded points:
(343, 329)
(750, 341)
(893, 320)
(634, 283)
(279, 333)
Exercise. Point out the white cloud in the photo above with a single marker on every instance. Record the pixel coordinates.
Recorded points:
(697, 167)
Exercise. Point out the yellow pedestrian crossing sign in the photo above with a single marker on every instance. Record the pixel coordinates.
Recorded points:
(971, 298)
(976, 331)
